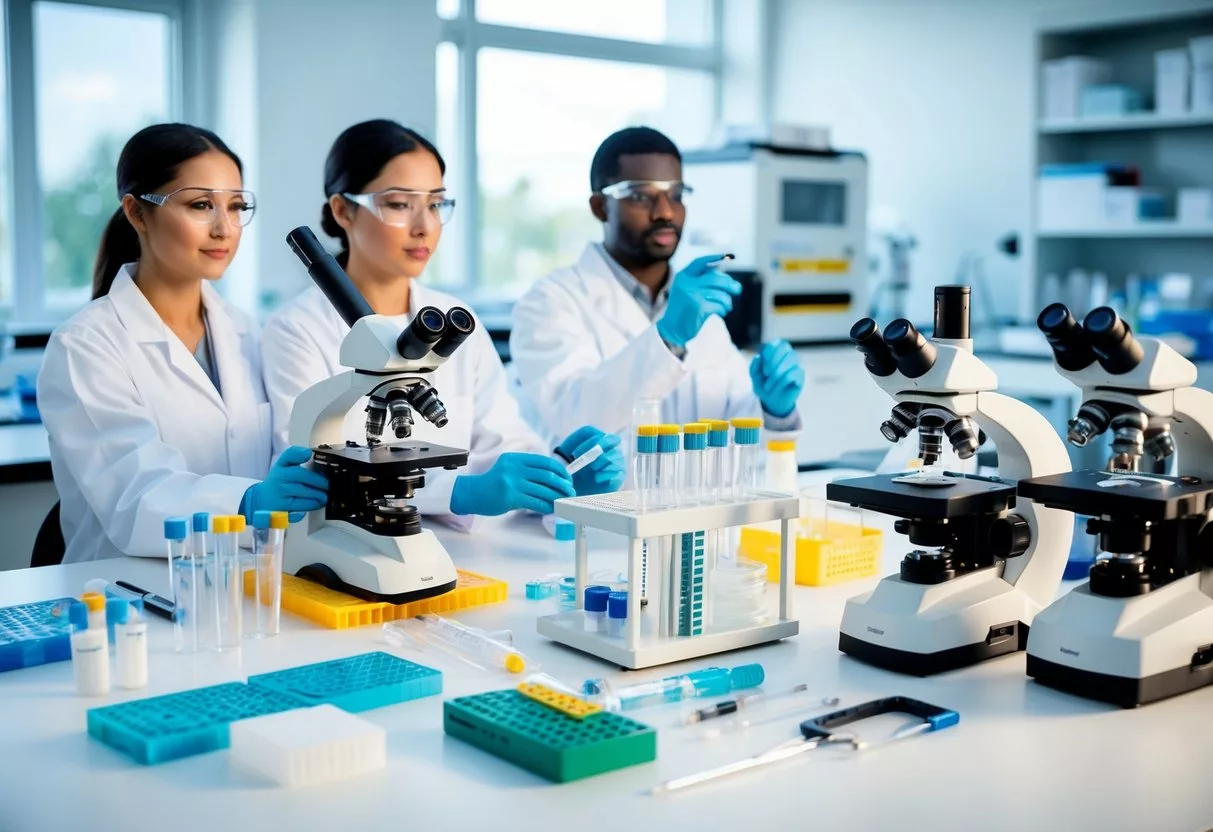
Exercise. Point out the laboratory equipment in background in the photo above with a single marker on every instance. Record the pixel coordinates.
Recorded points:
(1141, 627)
(1202, 74)
(21, 350)
(711, 681)
(795, 219)
(726, 620)
(1062, 83)
(368, 540)
(90, 649)
(983, 565)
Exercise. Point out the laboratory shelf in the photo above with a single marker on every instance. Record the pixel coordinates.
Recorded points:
(1161, 229)
(1129, 121)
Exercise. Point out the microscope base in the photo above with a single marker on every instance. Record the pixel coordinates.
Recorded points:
(397, 570)
(921, 630)
(1126, 651)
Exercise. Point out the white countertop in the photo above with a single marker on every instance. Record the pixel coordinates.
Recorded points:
(1023, 756)
(21, 444)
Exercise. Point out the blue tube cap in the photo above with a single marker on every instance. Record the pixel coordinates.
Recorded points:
(617, 605)
(175, 528)
(117, 610)
(202, 522)
(564, 530)
(77, 616)
(261, 519)
(596, 598)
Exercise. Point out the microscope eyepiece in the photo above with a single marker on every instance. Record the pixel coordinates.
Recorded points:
(914, 354)
(1115, 347)
(952, 312)
(877, 357)
(460, 324)
(422, 333)
(1069, 341)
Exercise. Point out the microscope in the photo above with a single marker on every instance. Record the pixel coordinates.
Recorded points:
(368, 540)
(1141, 628)
(986, 563)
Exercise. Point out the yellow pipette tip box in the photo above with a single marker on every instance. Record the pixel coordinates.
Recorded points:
(844, 553)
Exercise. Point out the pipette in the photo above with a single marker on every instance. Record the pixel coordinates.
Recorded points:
(584, 460)
(732, 706)
(461, 639)
(711, 681)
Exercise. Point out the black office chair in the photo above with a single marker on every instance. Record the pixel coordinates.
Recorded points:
(48, 545)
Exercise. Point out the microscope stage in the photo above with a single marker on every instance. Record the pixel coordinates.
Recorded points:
(1143, 496)
(969, 496)
(380, 459)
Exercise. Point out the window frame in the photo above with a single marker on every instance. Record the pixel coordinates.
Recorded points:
(470, 35)
(29, 305)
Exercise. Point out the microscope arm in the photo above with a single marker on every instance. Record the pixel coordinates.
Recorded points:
(1193, 431)
(318, 415)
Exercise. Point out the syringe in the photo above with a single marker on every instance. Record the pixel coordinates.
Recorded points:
(732, 706)
(459, 638)
(711, 681)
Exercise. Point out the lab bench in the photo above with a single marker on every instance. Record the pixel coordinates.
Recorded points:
(1050, 748)
(26, 490)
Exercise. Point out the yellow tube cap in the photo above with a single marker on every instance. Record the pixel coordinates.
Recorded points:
(93, 600)
(668, 430)
(716, 424)
(514, 663)
(747, 422)
(236, 523)
(221, 524)
(279, 520)
(646, 430)
(780, 445)
(695, 427)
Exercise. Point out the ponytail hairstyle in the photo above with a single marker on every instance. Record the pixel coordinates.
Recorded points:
(357, 157)
(148, 161)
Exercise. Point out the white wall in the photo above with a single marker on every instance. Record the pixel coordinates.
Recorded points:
(939, 94)
(293, 75)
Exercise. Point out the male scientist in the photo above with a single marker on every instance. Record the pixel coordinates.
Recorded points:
(592, 339)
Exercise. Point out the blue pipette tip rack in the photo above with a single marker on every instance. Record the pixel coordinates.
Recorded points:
(34, 634)
(357, 683)
(183, 724)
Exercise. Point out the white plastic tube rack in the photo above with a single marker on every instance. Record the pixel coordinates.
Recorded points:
(618, 513)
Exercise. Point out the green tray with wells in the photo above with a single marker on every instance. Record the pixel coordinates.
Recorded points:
(545, 741)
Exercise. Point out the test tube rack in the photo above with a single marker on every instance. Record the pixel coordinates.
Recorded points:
(619, 514)
(34, 634)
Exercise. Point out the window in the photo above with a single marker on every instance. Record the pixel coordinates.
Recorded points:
(6, 208)
(521, 111)
(90, 98)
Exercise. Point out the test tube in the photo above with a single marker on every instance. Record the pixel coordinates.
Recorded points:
(617, 613)
(646, 493)
(182, 585)
(747, 468)
(718, 478)
(596, 608)
(269, 534)
(228, 576)
(94, 602)
(667, 466)
(694, 453)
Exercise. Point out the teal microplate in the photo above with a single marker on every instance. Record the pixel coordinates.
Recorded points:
(34, 634)
(354, 684)
(177, 725)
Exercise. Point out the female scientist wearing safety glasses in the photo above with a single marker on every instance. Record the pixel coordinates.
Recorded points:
(152, 393)
(387, 204)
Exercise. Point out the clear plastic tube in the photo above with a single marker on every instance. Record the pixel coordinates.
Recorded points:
(228, 582)
(694, 468)
(747, 469)
(183, 585)
(711, 681)
(204, 585)
(269, 535)
(465, 640)
(646, 493)
(667, 466)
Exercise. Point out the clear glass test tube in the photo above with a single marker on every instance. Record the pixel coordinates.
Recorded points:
(183, 584)
(718, 474)
(269, 534)
(202, 548)
(646, 492)
(694, 468)
(667, 466)
(229, 576)
(747, 473)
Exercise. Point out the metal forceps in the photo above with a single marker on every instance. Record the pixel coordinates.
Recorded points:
(819, 732)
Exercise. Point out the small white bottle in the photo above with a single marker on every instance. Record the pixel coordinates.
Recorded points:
(130, 643)
(90, 653)
(782, 471)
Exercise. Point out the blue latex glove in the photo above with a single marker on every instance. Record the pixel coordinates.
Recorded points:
(603, 475)
(288, 487)
(516, 481)
(696, 294)
(778, 378)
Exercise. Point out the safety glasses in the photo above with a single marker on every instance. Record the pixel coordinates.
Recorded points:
(400, 207)
(646, 192)
(205, 205)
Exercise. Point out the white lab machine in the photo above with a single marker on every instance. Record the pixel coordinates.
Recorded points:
(794, 218)
(368, 539)
(647, 639)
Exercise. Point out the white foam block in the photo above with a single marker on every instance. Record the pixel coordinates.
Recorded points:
(308, 745)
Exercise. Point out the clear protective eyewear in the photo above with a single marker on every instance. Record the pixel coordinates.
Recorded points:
(399, 206)
(646, 192)
(202, 205)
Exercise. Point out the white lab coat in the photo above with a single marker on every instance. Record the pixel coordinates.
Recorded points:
(585, 352)
(301, 345)
(137, 430)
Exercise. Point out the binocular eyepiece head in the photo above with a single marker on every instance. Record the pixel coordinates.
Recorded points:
(1103, 336)
(432, 330)
(901, 348)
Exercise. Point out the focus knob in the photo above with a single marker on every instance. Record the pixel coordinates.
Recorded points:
(1010, 536)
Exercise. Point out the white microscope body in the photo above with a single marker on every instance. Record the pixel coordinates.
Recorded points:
(1156, 639)
(922, 627)
(368, 539)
